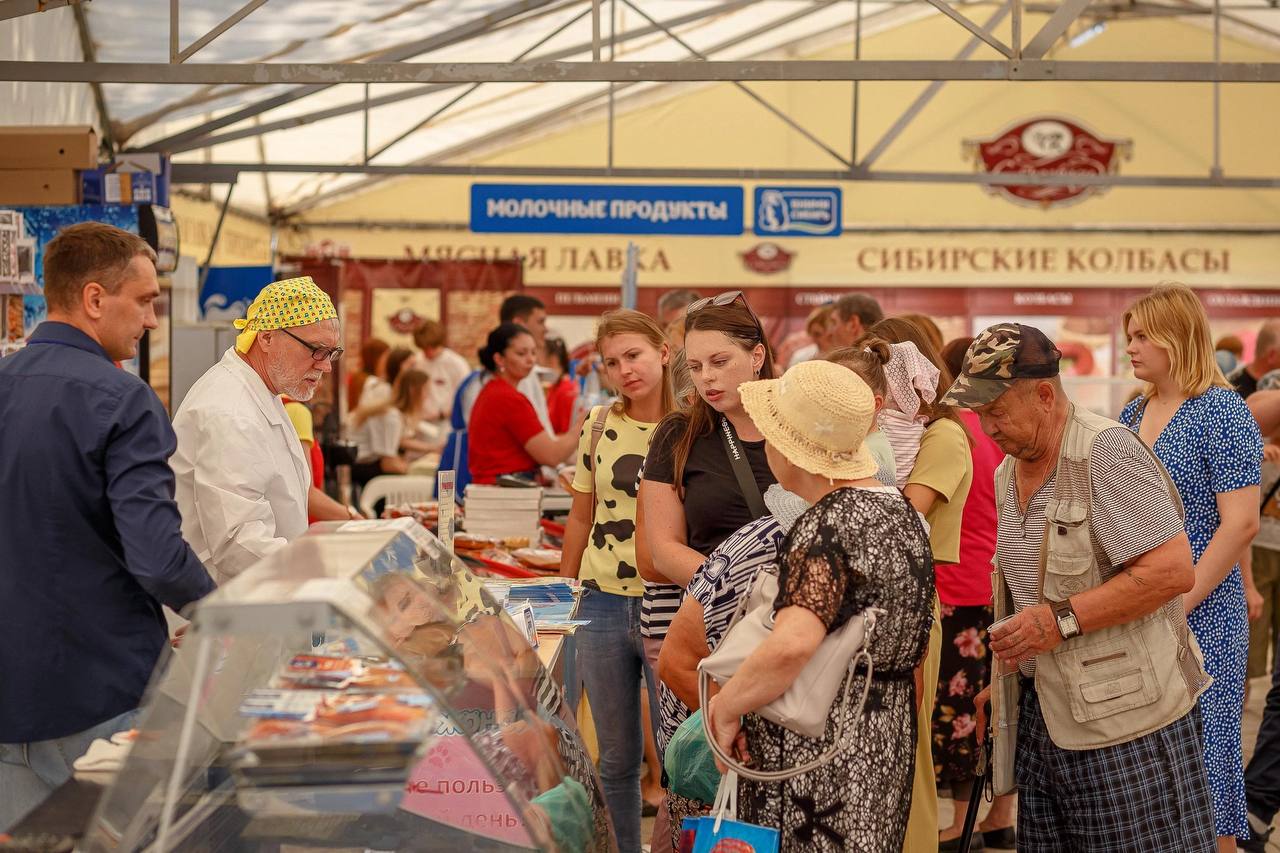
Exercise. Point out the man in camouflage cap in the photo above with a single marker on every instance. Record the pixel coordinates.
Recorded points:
(1000, 355)
(1094, 708)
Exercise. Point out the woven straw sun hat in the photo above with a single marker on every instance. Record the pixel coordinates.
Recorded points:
(817, 415)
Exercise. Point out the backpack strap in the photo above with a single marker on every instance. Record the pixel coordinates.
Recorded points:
(597, 430)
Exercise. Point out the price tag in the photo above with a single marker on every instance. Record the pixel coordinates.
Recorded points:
(445, 497)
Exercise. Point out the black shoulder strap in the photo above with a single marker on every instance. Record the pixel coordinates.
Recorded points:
(742, 470)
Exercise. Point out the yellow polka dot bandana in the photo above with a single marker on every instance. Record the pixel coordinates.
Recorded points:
(283, 305)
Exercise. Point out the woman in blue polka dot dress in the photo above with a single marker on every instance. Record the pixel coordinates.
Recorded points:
(1204, 434)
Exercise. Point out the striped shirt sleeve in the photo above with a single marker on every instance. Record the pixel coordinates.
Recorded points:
(1133, 511)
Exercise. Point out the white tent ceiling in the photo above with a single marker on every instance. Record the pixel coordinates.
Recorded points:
(336, 31)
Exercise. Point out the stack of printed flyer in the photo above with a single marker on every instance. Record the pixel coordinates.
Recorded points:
(554, 601)
(332, 720)
(502, 513)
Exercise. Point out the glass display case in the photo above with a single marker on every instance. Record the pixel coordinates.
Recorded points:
(358, 690)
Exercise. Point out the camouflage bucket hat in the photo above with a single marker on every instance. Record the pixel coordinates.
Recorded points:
(999, 356)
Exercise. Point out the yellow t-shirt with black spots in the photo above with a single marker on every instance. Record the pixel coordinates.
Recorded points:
(609, 561)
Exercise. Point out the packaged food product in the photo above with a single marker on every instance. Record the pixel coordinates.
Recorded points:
(471, 542)
(545, 559)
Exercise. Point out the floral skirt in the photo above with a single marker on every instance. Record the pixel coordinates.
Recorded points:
(965, 670)
(678, 808)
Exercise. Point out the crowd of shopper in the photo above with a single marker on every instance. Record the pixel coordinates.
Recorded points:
(1110, 736)
(1100, 590)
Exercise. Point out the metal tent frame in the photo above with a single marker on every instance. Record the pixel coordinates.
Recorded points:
(1017, 61)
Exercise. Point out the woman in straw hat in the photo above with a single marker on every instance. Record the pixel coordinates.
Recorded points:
(860, 545)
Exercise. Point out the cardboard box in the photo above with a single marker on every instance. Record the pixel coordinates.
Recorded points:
(39, 186)
(157, 164)
(73, 146)
(104, 186)
(134, 178)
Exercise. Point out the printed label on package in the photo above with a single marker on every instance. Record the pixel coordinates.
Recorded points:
(797, 211)
(606, 209)
(445, 502)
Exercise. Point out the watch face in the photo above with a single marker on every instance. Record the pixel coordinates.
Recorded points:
(1068, 625)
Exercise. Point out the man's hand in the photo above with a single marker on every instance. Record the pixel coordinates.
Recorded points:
(980, 703)
(1033, 631)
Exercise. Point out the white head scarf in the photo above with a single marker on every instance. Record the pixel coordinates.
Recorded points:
(911, 378)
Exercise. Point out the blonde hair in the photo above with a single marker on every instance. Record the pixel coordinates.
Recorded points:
(818, 319)
(1173, 317)
(623, 321)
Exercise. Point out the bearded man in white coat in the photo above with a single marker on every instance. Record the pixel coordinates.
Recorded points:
(243, 483)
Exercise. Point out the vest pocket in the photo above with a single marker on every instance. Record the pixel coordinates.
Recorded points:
(1066, 575)
(1108, 677)
(1070, 550)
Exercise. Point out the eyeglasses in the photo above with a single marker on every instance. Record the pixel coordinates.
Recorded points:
(318, 353)
(723, 299)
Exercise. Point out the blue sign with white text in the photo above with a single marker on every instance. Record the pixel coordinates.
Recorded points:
(606, 209)
(798, 212)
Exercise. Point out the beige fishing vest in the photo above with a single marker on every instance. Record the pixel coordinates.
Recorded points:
(1111, 685)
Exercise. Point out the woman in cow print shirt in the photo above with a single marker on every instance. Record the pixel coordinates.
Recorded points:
(600, 550)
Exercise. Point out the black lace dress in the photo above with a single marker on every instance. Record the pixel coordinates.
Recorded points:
(853, 549)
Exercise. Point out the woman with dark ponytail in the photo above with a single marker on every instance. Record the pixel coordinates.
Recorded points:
(504, 433)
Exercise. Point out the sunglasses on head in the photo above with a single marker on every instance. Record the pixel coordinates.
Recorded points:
(723, 299)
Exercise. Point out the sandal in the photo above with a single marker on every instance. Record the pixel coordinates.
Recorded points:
(1001, 839)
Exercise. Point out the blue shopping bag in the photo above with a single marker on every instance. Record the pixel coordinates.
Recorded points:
(688, 834)
(722, 832)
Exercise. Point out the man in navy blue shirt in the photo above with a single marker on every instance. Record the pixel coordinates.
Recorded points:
(90, 537)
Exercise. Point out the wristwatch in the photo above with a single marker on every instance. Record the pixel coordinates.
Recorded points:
(1068, 625)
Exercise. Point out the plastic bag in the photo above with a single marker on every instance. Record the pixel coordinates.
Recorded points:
(722, 832)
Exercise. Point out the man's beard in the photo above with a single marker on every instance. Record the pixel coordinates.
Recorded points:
(302, 392)
(295, 389)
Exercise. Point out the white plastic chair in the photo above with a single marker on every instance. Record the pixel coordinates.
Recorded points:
(396, 489)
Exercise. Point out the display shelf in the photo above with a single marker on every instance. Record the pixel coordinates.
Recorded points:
(358, 688)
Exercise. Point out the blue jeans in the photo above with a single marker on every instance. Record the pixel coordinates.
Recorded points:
(612, 662)
(30, 772)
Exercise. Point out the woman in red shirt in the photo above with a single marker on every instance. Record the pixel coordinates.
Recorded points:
(964, 589)
(562, 394)
(504, 433)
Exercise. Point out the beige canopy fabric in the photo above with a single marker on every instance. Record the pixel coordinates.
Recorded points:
(496, 117)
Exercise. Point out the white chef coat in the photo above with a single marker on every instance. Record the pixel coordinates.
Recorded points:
(378, 436)
(531, 388)
(242, 479)
(446, 370)
(808, 353)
